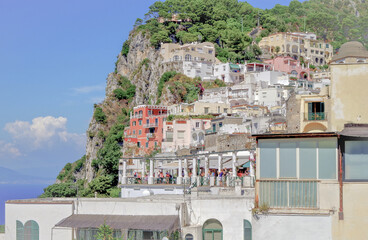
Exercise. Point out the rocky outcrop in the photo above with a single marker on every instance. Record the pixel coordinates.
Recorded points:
(144, 67)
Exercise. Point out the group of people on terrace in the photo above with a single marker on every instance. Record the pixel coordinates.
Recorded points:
(168, 178)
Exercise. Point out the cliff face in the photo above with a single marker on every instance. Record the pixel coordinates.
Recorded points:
(143, 66)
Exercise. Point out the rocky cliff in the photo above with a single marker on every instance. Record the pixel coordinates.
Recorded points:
(143, 66)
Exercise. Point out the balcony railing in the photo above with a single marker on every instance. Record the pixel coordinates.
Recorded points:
(151, 125)
(137, 116)
(131, 136)
(289, 193)
(150, 135)
(315, 116)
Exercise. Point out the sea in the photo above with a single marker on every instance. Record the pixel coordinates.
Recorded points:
(17, 191)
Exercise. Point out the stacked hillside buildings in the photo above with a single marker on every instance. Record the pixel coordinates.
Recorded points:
(299, 46)
(259, 159)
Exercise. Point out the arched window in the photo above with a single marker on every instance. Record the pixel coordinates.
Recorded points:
(247, 230)
(189, 237)
(20, 230)
(188, 57)
(31, 230)
(212, 230)
(176, 58)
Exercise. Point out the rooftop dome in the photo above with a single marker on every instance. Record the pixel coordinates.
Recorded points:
(351, 49)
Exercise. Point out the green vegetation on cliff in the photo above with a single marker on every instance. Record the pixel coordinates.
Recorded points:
(126, 90)
(229, 22)
(182, 88)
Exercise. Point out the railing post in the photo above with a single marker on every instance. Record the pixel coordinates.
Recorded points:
(219, 168)
(143, 169)
(185, 170)
(206, 167)
(194, 170)
(233, 164)
(150, 179)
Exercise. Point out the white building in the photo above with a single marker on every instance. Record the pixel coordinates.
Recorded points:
(184, 134)
(194, 69)
(270, 97)
(229, 72)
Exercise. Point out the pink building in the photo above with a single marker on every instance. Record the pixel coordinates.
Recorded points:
(145, 130)
(290, 66)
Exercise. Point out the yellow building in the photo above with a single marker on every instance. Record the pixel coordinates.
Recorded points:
(201, 52)
(199, 108)
(298, 46)
(349, 86)
(308, 112)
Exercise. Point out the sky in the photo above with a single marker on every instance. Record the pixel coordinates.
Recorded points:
(54, 60)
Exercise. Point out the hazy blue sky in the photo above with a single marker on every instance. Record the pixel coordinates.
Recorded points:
(54, 59)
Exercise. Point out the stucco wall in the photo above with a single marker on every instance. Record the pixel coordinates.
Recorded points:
(354, 225)
(229, 211)
(289, 227)
(46, 215)
(349, 95)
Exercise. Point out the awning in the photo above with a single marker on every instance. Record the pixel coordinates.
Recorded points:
(169, 223)
(234, 66)
(247, 164)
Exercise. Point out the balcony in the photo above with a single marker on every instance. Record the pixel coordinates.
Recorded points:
(150, 135)
(151, 125)
(137, 116)
(289, 193)
(131, 136)
(315, 116)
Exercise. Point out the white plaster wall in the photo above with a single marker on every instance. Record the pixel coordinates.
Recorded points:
(289, 227)
(132, 193)
(2, 236)
(231, 212)
(116, 207)
(46, 215)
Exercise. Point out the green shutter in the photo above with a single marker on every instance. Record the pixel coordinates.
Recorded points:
(247, 230)
(20, 230)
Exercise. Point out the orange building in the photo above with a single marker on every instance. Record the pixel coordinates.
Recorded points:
(145, 130)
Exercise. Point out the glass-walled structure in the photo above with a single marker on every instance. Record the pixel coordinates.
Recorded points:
(291, 168)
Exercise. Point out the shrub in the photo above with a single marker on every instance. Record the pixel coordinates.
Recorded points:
(164, 78)
(79, 164)
(99, 115)
(68, 166)
(120, 94)
(125, 48)
(60, 190)
(95, 164)
(101, 184)
(101, 134)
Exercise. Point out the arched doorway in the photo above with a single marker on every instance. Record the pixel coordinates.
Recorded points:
(212, 230)
(189, 237)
